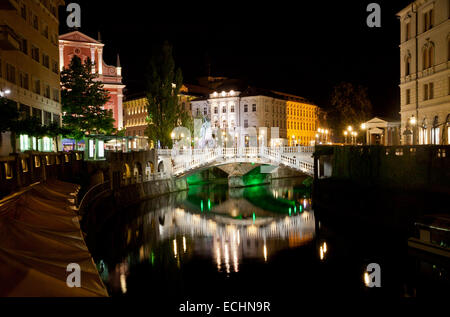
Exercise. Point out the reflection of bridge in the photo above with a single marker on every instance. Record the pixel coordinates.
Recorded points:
(186, 160)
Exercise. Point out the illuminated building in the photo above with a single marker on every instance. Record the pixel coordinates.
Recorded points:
(29, 73)
(83, 46)
(135, 109)
(424, 72)
(230, 106)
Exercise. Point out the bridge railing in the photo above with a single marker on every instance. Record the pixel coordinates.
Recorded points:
(299, 157)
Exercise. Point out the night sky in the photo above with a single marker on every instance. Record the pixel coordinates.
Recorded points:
(297, 47)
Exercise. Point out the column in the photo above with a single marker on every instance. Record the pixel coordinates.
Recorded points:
(93, 58)
(100, 60)
(61, 57)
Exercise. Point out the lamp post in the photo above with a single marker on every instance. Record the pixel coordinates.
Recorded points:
(345, 133)
(363, 127)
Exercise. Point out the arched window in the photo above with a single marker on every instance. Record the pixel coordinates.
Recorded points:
(435, 131)
(431, 56)
(407, 65)
(425, 58)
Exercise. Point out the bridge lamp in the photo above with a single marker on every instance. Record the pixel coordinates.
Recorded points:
(345, 133)
(412, 120)
(172, 135)
(350, 128)
(326, 131)
(363, 126)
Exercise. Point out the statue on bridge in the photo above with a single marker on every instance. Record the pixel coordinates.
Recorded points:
(206, 139)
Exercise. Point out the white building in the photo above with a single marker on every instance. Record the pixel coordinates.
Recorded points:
(425, 72)
(228, 109)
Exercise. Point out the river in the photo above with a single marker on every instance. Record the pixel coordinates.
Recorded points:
(259, 241)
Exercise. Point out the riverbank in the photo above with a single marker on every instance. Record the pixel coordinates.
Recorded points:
(40, 236)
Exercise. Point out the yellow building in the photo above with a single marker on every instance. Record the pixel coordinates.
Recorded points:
(135, 109)
(302, 121)
(135, 115)
(29, 59)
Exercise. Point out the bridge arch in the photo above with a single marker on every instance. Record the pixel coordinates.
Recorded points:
(161, 167)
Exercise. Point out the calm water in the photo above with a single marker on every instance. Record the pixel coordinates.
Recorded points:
(262, 241)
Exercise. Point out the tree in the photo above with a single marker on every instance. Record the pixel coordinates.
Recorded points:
(163, 85)
(83, 99)
(9, 115)
(351, 106)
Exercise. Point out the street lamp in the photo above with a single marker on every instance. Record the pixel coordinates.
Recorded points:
(345, 133)
(4, 92)
(413, 122)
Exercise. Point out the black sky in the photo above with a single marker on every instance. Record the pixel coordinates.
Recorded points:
(299, 47)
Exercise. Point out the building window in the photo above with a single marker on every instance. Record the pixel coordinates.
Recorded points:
(47, 118)
(55, 67)
(205, 111)
(408, 31)
(224, 109)
(245, 108)
(45, 60)
(408, 65)
(45, 31)
(215, 110)
(23, 11)
(37, 86)
(408, 96)
(23, 46)
(35, 22)
(428, 19)
(23, 77)
(232, 108)
(10, 73)
(245, 123)
(47, 91)
(35, 53)
(254, 107)
(431, 90)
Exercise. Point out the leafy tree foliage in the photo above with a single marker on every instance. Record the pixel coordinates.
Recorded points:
(163, 85)
(83, 99)
(350, 106)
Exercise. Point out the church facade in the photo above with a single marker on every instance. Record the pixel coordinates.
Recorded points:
(83, 46)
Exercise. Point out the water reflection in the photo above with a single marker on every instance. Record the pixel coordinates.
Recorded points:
(213, 222)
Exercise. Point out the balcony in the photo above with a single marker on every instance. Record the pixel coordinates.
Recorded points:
(8, 39)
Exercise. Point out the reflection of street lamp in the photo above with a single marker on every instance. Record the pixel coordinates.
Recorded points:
(345, 133)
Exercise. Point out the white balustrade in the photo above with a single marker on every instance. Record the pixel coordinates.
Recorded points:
(297, 157)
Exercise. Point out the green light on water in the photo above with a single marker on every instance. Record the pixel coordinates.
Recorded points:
(153, 258)
(254, 217)
(300, 208)
(295, 209)
(290, 211)
(201, 205)
(209, 204)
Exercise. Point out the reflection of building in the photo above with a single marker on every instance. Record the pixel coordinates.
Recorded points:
(83, 46)
(382, 131)
(232, 106)
(29, 73)
(425, 111)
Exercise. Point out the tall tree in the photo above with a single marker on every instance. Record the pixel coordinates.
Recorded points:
(163, 86)
(350, 106)
(83, 99)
